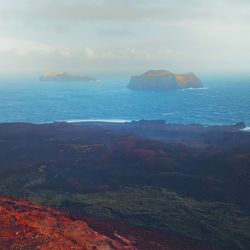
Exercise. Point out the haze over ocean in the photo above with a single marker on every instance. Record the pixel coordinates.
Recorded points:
(112, 37)
(222, 101)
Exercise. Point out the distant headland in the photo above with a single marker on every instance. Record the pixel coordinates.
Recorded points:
(164, 80)
(63, 76)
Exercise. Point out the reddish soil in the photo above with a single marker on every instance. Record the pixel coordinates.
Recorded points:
(26, 226)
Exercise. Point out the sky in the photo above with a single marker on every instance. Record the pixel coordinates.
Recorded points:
(94, 37)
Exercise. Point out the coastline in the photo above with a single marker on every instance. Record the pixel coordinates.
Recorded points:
(241, 126)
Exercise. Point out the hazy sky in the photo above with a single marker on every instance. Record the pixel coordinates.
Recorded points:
(122, 36)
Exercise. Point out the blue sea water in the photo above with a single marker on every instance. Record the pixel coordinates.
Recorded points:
(220, 102)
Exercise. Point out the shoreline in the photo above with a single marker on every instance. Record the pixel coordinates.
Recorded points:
(144, 124)
(243, 125)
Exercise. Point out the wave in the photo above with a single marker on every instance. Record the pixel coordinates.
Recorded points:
(203, 88)
(98, 120)
(167, 114)
(246, 129)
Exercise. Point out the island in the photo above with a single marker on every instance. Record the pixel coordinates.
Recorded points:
(164, 80)
(63, 76)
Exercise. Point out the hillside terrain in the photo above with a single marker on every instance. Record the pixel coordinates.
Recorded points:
(186, 181)
(27, 226)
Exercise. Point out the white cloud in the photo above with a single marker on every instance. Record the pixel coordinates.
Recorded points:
(89, 54)
(129, 54)
(97, 34)
(26, 47)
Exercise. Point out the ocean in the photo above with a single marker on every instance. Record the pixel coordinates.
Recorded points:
(222, 101)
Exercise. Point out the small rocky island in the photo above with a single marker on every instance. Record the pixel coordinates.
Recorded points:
(63, 76)
(164, 80)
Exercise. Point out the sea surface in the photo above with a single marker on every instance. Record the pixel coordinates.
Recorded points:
(222, 101)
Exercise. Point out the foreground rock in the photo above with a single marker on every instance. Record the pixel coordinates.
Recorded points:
(164, 80)
(63, 76)
(24, 226)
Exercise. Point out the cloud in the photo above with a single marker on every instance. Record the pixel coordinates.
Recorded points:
(115, 32)
(25, 47)
(89, 54)
(101, 34)
(130, 11)
(117, 10)
(129, 54)
(21, 47)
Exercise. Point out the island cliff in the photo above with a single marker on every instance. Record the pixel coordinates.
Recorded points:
(63, 76)
(164, 80)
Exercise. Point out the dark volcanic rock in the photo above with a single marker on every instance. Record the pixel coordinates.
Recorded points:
(63, 165)
(164, 80)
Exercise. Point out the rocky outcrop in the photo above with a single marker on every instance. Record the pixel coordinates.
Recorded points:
(63, 76)
(26, 226)
(164, 80)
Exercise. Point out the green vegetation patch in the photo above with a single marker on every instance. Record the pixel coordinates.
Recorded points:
(157, 208)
